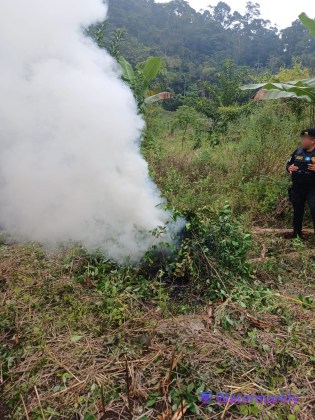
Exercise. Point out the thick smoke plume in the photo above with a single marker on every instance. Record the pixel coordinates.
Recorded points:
(70, 166)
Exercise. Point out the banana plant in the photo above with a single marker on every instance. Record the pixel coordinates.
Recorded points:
(308, 23)
(300, 89)
(139, 80)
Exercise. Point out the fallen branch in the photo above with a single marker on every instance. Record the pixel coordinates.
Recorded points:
(40, 404)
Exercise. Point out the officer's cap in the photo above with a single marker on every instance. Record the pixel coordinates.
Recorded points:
(310, 132)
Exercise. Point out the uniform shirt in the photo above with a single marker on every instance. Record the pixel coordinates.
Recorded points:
(301, 158)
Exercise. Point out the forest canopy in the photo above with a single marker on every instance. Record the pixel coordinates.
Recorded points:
(193, 42)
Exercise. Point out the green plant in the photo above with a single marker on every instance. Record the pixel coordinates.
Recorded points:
(187, 117)
(225, 91)
(120, 288)
(139, 79)
(300, 89)
(117, 37)
(308, 23)
(96, 32)
(182, 394)
(213, 253)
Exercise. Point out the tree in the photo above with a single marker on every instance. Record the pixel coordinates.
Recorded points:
(298, 89)
(224, 89)
(297, 42)
(187, 117)
(199, 41)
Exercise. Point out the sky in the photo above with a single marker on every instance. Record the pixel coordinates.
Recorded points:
(280, 12)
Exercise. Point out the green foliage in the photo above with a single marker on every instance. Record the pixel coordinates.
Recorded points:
(229, 114)
(224, 90)
(201, 104)
(210, 253)
(127, 71)
(297, 92)
(117, 37)
(268, 196)
(120, 288)
(258, 299)
(296, 71)
(299, 89)
(230, 243)
(200, 40)
(243, 161)
(140, 78)
(213, 253)
(223, 101)
(188, 118)
(150, 69)
(96, 32)
(308, 23)
(196, 45)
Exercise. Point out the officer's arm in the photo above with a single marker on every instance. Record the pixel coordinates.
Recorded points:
(290, 161)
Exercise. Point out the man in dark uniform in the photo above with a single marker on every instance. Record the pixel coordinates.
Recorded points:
(301, 166)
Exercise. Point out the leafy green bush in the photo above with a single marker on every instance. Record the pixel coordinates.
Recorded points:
(188, 118)
(210, 255)
(121, 288)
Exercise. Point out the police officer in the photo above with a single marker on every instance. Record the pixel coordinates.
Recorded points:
(301, 166)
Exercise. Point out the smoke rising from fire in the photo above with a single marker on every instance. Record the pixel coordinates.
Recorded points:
(70, 166)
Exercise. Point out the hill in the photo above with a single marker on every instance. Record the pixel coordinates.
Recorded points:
(194, 43)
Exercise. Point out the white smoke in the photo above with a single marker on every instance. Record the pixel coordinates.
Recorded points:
(70, 166)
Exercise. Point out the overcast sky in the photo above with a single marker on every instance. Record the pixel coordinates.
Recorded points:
(281, 12)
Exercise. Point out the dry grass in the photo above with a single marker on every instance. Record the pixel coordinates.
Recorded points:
(60, 357)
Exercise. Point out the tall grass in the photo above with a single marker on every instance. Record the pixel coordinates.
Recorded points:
(246, 167)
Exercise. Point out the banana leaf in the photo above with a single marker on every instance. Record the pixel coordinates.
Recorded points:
(308, 23)
(151, 68)
(301, 89)
(127, 71)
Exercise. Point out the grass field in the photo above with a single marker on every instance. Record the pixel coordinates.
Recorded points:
(82, 338)
(63, 357)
